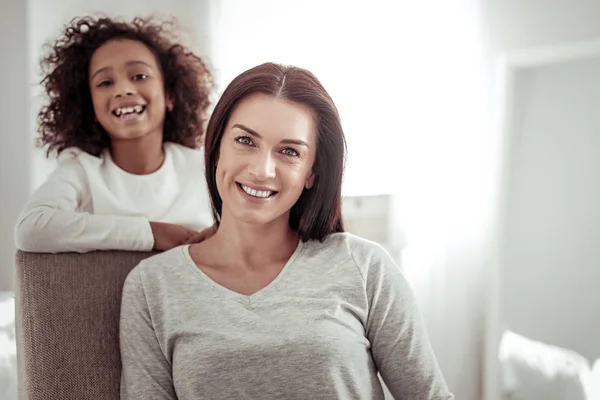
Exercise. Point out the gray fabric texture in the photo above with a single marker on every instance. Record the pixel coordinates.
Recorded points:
(67, 323)
(339, 312)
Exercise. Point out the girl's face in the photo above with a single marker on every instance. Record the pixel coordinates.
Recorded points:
(265, 160)
(127, 89)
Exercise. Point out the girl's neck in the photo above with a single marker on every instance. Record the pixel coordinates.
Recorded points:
(141, 156)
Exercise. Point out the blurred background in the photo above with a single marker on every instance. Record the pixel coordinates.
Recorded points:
(474, 157)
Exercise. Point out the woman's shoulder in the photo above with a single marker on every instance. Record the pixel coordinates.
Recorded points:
(345, 245)
(161, 268)
(164, 260)
(351, 242)
(373, 262)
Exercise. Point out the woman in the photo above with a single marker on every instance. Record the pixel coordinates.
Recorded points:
(279, 303)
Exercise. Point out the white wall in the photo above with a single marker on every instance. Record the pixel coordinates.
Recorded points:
(515, 24)
(552, 272)
(15, 141)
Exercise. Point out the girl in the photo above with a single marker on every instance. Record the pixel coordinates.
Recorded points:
(279, 303)
(126, 113)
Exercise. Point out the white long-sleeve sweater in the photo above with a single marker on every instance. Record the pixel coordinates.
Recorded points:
(89, 203)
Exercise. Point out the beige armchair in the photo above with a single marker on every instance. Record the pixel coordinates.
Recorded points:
(67, 323)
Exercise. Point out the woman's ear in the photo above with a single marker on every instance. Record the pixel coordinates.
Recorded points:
(169, 103)
(310, 182)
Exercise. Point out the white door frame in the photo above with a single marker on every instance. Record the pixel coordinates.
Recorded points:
(506, 68)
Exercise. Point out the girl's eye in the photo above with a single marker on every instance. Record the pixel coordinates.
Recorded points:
(245, 140)
(104, 83)
(290, 152)
(140, 77)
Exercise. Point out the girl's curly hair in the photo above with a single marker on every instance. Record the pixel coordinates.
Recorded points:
(68, 120)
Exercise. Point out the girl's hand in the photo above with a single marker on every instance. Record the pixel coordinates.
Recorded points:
(168, 236)
(202, 235)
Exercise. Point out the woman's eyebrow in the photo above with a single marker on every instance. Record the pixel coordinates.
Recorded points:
(258, 135)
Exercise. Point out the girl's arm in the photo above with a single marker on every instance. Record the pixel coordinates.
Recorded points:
(50, 222)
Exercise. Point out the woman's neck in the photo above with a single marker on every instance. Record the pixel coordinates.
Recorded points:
(253, 246)
(138, 156)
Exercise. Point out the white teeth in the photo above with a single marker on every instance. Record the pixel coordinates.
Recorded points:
(128, 110)
(257, 193)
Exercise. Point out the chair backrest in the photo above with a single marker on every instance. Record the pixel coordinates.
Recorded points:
(67, 323)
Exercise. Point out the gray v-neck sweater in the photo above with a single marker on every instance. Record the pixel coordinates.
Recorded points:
(339, 312)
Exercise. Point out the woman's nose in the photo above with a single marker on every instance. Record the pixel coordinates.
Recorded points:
(263, 167)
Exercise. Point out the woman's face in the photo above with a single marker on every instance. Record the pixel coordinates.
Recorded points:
(127, 90)
(266, 158)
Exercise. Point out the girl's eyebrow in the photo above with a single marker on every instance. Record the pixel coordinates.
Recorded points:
(138, 62)
(134, 62)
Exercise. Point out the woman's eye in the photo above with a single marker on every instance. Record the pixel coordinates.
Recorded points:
(244, 140)
(104, 83)
(290, 152)
(140, 77)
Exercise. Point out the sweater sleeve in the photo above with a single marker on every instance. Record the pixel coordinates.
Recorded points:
(395, 328)
(51, 223)
(146, 372)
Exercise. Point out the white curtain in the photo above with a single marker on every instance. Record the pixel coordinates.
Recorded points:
(411, 81)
